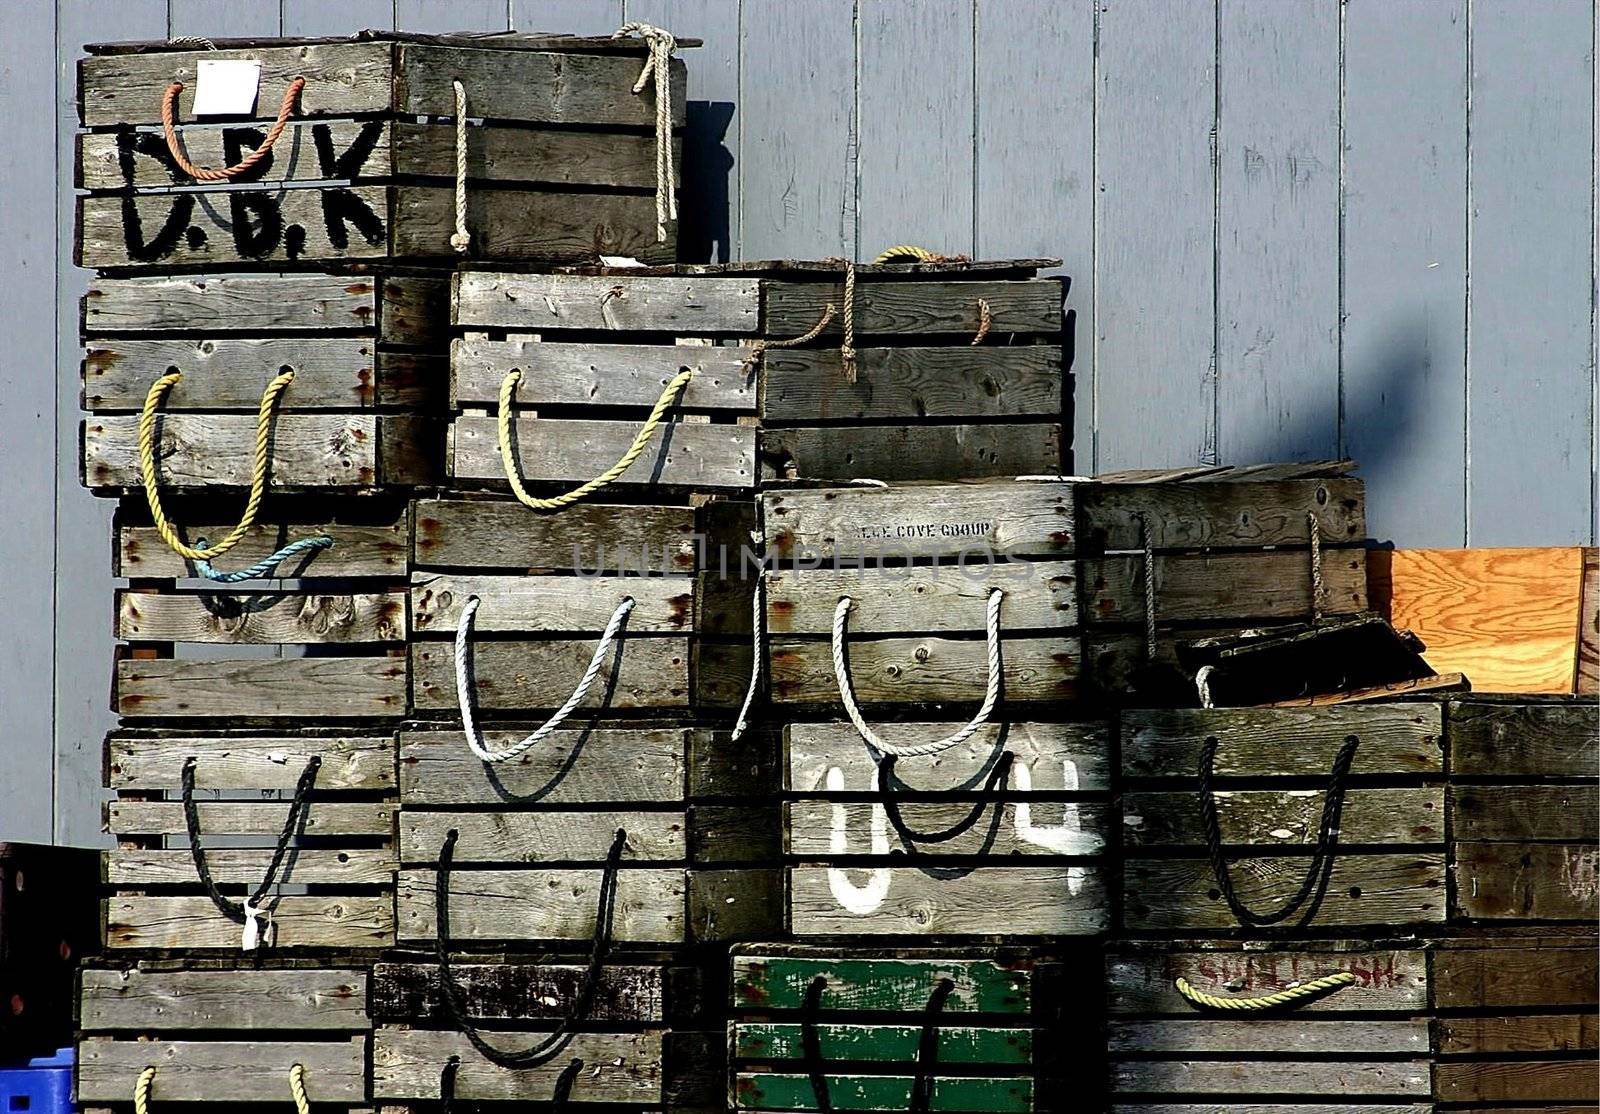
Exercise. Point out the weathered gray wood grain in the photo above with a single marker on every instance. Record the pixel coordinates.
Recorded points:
(1245, 1038)
(923, 306)
(1069, 829)
(554, 373)
(561, 604)
(1395, 739)
(551, 225)
(1536, 1081)
(1517, 740)
(521, 154)
(544, 87)
(301, 688)
(1514, 973)
(357, 550)
(237, 867)
(1252, 514)
(1284, 818)
(129, 998)
(413, 992)
(452, 533)
(1049, 901)
(222, 1071)
(569, 451)
(263, 818)
(641, 672)
(260, 618)
(1202, 586)
(193, 923)
(921, 520)
(619, 1067)
(575, 766)
(538, 904)
(1525, 813)
(809, 384)
(526, 838)
(1521, 1034)
(924, 670)
(1037, 596)
(118, 161)
(135, 760)
(1387, 980)
(1526, 881)
(1378, 1078)
(540, 303)
(912, 452)
(1058, 757)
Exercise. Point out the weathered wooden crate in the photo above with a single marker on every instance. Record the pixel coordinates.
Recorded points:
(364, 409)
(561, 154)
(550, 584)
(219, 1034)
(1231, 548)
(1362, 1046)
(1515, 1021)
(1272, 770)
(529, 861)
(629, 1046)
(863, 834)
(333, 893)
(1523, 809)
(919, 563)
(336, 623)
(975, 1032)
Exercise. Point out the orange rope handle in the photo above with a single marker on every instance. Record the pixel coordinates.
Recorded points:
(169, 104)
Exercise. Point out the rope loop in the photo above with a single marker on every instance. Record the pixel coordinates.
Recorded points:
(758, 347)
(758, 625)
(508, 460)
(841, 673)
(258, 470)
(461, 239)
(469, 726)
(658, 69)
(1322, 854)
(264, 566)
(1292, 996)
(169, 108)
(999, 775)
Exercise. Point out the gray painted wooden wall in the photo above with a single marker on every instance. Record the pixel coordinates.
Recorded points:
(1294, 229)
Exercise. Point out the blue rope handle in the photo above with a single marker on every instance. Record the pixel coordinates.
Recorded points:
(263, 567)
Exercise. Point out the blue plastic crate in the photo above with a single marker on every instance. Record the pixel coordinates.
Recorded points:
(41, 1086)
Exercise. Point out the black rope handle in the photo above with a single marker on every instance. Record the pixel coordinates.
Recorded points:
(454, 1000)
(927, 1047)
(1321, 856)
(990, 793)
(234, 911)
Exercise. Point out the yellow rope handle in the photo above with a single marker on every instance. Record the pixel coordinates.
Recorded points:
(1313, 989)
(508, 391)
(297, 1087)
(258, 470)
(141, 1091)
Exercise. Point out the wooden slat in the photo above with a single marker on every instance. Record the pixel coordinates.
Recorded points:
(1287, 818)
(1394, 739)
(1517, 1080)
(357, 550)
(223, 761)
(893, 1044)
(1022, 519)
(908, 308)
(1222, 515)
(1515, 813)
(542, 303)
(641, 672)
(568, 451)
(260, 618)
(124, 160)
(554, 373)
(1517, 975)
(1049, 829)
(1387, 980)
(272, 688)
(525, 838)
(412, 992)
(235, 999)
(257, 818)
(222, 1071)
(779, 982)
(544, 905)
(546, 87)
(618, 1067)
(241, 867)
(502, 154)
(1378, 1078)
(1038, 596)
(505, 534)
(557, 604)
(1059, 757)
(912, 452)
(924, 670)
(1527, 881)
(1513, 740)
(1245, 1039)
(1507, 618)
(776, 1092)
(188, 923)
(1201, 587)
(809, 384)
(1524, 1033)
(573, 766)
(1039, 901)
(525, 225)
(1362, 890)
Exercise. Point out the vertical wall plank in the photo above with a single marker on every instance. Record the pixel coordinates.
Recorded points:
(1035, 158)
(443, 16)
(27, 422)
(236, 19)
(916, 161)
(1405, 265)
(567, 17)
(1278, 230)
(708, 220)
(84, 646)
(797, 158)
(316, 18)
(1154, 251)
(1529, 343)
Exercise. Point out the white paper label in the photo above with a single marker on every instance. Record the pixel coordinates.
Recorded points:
(226, 86)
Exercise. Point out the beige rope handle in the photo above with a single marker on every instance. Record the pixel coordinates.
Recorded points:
(141, 1090)
(757, 347)
(258, 469)
(169, 106)
(297, 1088)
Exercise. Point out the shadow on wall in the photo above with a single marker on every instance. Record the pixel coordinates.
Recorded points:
(707, 165)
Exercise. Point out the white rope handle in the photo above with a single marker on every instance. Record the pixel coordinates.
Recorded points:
(846, 694)
(758, 623)
(461, 239)
(464, 684)
(658, 69)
